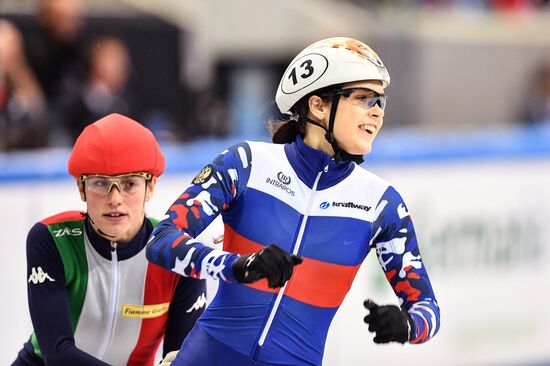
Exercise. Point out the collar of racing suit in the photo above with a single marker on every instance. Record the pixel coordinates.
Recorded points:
(307, 162)
(124, 250)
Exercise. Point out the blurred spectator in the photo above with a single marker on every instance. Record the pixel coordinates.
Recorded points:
(56, 57)
(84, 81)
(516, 5)
(538, 106)
(54, 49)
(104, 90)
(21, 99)
(500, 5)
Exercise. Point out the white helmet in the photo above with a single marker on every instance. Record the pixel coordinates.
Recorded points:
(328, 62)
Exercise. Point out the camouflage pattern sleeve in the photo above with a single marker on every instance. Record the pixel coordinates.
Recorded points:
(399, 256)
(216, 186)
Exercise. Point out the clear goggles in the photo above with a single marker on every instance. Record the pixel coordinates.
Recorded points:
(126, 183)
(364, 97)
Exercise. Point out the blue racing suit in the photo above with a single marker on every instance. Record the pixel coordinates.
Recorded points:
(330, 213)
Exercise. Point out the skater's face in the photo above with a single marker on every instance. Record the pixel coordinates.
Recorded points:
(116, 204)
(358, 119)
(360, 116)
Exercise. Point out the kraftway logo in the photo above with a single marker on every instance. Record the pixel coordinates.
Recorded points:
(39, 276)
(282, 182)
(326, 205)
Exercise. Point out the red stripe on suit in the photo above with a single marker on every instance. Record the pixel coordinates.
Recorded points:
(160, 285)
(313, 282)
(64, 216)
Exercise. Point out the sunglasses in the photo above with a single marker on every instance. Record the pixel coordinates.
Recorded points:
(126, 183)
(364, 97)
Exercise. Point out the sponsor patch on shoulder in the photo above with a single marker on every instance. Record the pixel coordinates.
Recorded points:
(203, 175)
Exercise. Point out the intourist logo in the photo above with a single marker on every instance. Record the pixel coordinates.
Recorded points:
(281, 182)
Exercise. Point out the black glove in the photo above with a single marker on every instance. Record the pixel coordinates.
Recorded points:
(389, 322)
(272, 263)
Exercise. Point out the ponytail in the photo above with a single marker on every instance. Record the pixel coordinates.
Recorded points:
(286, 132)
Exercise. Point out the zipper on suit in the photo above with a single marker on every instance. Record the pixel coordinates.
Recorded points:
(112, 302)
(295, 250)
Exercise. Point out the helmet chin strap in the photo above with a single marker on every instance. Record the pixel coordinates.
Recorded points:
(97, 227)
(90, 218)
(339, 154)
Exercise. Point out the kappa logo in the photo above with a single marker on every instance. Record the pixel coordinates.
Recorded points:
(200, 303)
(39, 276)
(282, 182)
(67, 231)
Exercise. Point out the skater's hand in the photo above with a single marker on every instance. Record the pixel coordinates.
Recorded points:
(272, 263)
(389, 322)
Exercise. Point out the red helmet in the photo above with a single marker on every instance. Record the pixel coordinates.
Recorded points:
(113, 145)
